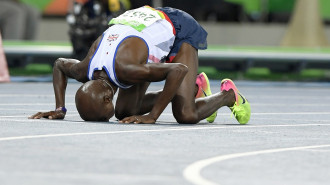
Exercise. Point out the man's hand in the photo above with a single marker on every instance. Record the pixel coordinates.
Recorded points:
(146, 119)
(59, 114)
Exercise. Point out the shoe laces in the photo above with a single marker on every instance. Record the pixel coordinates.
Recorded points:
(237, 111)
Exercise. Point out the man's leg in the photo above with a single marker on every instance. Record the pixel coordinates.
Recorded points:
(185, 108)
(150, 98)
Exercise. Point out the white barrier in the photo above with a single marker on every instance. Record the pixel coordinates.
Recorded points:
(4, 73)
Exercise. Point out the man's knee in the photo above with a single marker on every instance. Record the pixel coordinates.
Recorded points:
(122, 113)
(186, 117)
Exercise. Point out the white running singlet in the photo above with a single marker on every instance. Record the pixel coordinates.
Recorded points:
(158, 36)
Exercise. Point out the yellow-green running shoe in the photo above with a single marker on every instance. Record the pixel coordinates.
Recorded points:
(241, 109)
(204, 90)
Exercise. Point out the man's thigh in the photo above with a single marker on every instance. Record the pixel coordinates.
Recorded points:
(184, 100)
(129, 100)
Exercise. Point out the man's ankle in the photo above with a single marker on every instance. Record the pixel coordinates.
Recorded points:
(229, 97)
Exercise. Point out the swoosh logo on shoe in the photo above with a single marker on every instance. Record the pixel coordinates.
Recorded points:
(242, 98)
(204, 92)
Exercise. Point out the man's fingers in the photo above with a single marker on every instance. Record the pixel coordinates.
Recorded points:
(41, 115)
(56, 115)
(130, 119)
(35, 116)
(138, 120)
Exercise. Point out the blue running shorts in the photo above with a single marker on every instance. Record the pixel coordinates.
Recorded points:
(187, 30)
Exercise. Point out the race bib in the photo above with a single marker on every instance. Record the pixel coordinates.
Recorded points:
(139, 18)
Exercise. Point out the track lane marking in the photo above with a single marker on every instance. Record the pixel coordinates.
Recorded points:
(23, 104)
(226, 114)
(251, 96)
(254, 105)
(192, 172)
(32, 95)
(174, 128)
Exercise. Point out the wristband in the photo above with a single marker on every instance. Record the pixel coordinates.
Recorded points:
(61, 109)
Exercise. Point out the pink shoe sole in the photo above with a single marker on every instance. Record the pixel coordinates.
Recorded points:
(202, 83)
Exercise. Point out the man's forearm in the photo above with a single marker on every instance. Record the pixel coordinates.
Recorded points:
(172, 83)
(59, 84)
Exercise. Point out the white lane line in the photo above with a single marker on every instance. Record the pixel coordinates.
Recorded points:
(290, 97)
(26, 116)
(94, 177)
(33, 110)
(184, 128)
(193, 175)
(28, 104)
(254, 104)
(169, 114)
(318, 151)
(300, 120)
(101, 133)
(250, 96)
(226, 114)
(291, 113)
(291, 105)
(31, 95)
(272, 113)
(29, 110)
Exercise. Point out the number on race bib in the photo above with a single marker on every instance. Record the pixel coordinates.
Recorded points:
(138, 18)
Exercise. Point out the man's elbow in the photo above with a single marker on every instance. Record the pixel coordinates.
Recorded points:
(181, 70)
(58, 63)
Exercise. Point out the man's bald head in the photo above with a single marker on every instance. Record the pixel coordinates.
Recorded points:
(94, 101)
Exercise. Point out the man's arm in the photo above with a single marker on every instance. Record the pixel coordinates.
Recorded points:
(63, 69)
(172, 73)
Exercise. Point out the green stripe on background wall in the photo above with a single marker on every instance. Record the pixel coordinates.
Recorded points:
(250, 6)
(325, 8)
(253, 6)
(40, 4)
